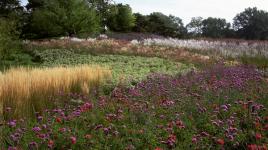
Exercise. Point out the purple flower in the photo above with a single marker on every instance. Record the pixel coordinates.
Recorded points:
(12, 148)
(77, 113)
(39, 118)
(33, 145)
(44, 126)
(14, 138)
(42, 136)
(12, 123)
(204, 134)
(224, 107)
(36, 129)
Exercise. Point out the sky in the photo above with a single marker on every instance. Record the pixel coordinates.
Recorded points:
(186, 9)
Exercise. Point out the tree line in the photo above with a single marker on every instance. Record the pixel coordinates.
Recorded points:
(53, 18)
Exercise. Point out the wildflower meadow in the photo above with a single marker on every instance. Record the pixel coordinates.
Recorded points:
(100, 75)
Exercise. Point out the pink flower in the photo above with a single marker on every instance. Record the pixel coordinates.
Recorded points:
(86, 107)
(204, 134)
(12, 123)
(252, 147)
(171, 140)
(167, 103)
(266, 127)
(180, 124)
(194, 140)
(73, 140)
(258, 136)
(12, 148)
(62, 130)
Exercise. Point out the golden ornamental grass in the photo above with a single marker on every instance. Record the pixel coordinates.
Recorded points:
(27, 90)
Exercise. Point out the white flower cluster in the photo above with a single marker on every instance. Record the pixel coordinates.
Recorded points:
(75, 39)
(223, 48)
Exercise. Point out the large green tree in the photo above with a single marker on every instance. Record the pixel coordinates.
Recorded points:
(34, 4)
(142, 23)
(166, 25)
(215, 27)
(121, 18)
(195, 26)
(64, 17)
(9, 37)
(9, 7)
(252, 24)
(104, 9)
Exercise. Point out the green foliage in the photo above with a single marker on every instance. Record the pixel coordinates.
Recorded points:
(259, 61)
(8, 7)
(103, 8)
(166, 25)
(252, 24)
(215, 27)
(35, 4)
(142, 23)
(121, 18)
(9, 41)
(61, 17)
(195, 26)
(123, 67)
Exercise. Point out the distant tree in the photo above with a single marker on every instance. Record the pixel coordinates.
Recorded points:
(9, 38)
(64, 17)
(194, 28)
(103, 9)
(10, 8)
(166, 25)
(215, 27)
(121, 18)
(34, 4)
(177, 29)
(142, 23)
(252, 24)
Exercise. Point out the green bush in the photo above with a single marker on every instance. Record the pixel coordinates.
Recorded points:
(9, 41)
(61, 17)
(121, 18)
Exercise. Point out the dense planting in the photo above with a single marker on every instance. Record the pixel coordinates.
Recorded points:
(69, 80)
(233, 49)
(222, 107)
(124, 68)
(152, 101)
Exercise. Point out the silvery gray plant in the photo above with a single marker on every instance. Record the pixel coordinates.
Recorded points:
(231, 49)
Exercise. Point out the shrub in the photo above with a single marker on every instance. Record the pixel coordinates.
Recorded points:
(9, 41)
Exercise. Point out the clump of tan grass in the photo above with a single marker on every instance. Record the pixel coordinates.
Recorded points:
(26, 90)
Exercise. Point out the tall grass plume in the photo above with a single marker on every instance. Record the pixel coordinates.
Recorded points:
(27, 90)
